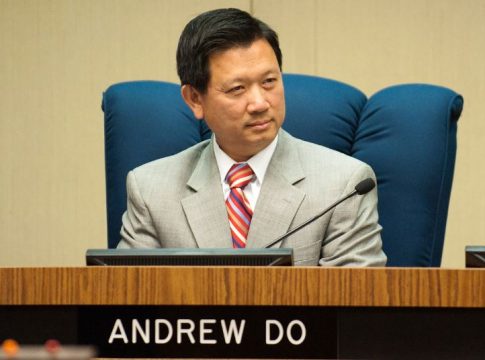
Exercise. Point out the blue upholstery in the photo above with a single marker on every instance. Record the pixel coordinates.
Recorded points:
(407, 133)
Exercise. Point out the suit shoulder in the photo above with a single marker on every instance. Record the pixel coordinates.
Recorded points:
(321, 156)
(176, 165)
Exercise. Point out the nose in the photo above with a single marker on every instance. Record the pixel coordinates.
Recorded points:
(257, 101)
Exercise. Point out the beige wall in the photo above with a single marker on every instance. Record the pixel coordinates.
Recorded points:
(56, 58)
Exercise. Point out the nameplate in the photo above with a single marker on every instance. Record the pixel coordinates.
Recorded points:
(210, 332)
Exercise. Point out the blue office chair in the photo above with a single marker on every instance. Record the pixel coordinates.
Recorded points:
(407, 133)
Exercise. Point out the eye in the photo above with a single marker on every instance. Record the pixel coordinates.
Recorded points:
(269, 82)
(235, 90)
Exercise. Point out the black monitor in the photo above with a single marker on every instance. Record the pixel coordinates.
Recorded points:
(190, 257)
(475, 256)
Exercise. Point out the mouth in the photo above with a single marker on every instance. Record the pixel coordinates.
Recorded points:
(260, 124)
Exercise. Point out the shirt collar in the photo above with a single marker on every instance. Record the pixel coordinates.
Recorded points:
(259, 162)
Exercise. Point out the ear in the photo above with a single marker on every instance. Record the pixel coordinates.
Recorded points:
(194, 100)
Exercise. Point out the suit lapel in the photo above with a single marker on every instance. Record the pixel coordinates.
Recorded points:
(278, 200)
(205, 208)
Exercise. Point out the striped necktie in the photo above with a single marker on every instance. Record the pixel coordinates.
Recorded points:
(238, 208)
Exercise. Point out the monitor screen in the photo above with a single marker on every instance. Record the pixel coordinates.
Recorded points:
(190, 257)
(475, 256)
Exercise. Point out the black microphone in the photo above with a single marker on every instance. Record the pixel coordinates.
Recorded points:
(364, 186)
(360, 189)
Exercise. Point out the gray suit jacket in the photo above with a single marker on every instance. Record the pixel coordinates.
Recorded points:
(178, 202)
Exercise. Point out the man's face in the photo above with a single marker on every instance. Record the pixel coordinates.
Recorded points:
(244, 104)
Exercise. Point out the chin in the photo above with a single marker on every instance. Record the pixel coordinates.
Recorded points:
(264, 140)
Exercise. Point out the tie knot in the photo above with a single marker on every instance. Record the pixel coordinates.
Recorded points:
(239, 175)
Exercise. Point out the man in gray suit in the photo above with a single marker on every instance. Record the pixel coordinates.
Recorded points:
(252, 182)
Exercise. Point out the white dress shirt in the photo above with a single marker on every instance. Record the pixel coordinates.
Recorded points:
(259, 163)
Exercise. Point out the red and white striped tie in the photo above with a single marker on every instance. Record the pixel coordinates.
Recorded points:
(238, 208)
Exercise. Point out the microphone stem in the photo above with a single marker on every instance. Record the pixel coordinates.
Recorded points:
(292, 231)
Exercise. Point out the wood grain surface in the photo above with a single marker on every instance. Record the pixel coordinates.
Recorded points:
(297, 286)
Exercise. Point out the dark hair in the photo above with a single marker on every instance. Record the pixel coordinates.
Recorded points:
(217, 31)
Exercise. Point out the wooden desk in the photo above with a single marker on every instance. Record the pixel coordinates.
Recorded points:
(359, 313)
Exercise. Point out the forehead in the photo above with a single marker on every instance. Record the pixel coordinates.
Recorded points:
(243, 61)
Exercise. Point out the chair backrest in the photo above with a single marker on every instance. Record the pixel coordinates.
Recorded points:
(407, 133)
